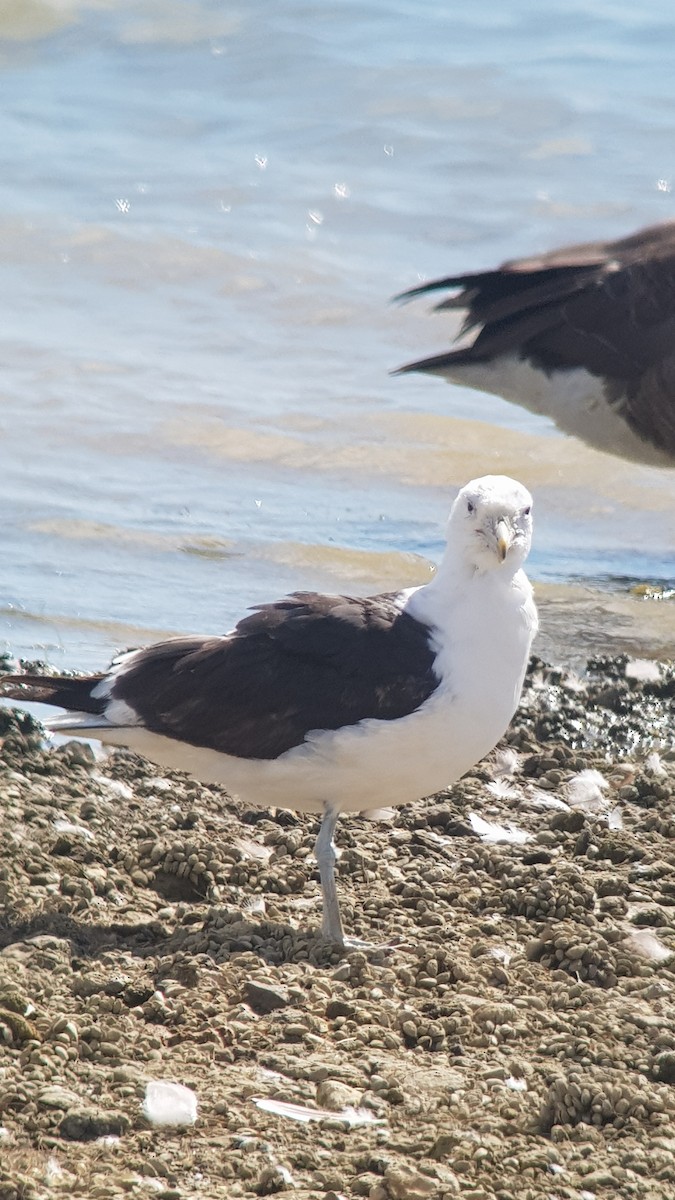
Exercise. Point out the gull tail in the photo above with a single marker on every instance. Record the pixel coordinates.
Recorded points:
(76, 695)
(443, 364)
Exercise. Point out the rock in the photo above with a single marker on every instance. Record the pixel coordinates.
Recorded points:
(263, 997)
(274, 1179)
(404, 1183)
(333, 1094)
(664, 1067)
(87, 1124)
(378, 1192)
(444, 1145)
(19, 1029)
(447, 1181)
(13, 1001)
(600, 1179)
(78, 754)
(58, 1097)
(339, 1008)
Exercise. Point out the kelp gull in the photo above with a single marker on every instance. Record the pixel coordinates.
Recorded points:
(324, 703)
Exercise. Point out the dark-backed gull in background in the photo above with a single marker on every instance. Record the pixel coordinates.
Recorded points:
(333, 704)
(584, 335)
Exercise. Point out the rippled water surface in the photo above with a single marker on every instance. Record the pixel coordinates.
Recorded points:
(204, 211)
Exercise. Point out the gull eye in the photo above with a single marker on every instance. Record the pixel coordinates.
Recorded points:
(470, 507)
(527, 511)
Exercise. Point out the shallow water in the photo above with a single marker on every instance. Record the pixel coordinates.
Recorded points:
(203, 215)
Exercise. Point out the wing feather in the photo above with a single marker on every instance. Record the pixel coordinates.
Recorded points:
(308, 662)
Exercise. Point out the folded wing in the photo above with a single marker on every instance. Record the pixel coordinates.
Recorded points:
(307, 662)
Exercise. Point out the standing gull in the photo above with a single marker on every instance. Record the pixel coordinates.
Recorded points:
(331, 704)
(584, 335)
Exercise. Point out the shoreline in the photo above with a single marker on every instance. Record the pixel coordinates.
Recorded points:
(577, 622)
(517, 1042)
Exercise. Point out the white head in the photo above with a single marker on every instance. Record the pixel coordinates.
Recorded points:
(490, 524)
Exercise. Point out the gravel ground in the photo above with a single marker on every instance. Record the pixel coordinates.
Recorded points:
(514, 1039)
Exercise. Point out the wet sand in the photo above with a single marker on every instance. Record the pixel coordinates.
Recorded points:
(516, 1041)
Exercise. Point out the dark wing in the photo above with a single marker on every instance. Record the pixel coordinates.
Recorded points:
(607, 307)
(599, 305)
(308, 662)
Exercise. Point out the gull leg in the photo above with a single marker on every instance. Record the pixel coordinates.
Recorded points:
(331, 924)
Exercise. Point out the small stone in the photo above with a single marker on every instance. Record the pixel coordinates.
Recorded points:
(447, 1182)
(78, 754)
(664, 1067)
(128, 1074)
(378, 1192)
(333, 1094)
(444, 1145)
(20, 1029)
(295, 1032)
(57, 1097)
(273, 1179)
(87, 1124)
(404, 1183)
(534, 948)
(599, 1179)
(339, 1008)
(574, 952)
(14, 1001)
(264, 998)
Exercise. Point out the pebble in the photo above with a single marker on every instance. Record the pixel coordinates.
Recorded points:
(58, 1097)
(336, 1096)
(87, 1124)
(264, 997)
(405, 1183)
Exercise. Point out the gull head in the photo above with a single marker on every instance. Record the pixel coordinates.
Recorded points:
(491, 524)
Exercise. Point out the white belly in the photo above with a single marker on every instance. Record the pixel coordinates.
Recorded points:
(370, 765)
(575, 400)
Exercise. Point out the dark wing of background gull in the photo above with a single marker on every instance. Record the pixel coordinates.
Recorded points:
(310, 661)
(606, 307)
